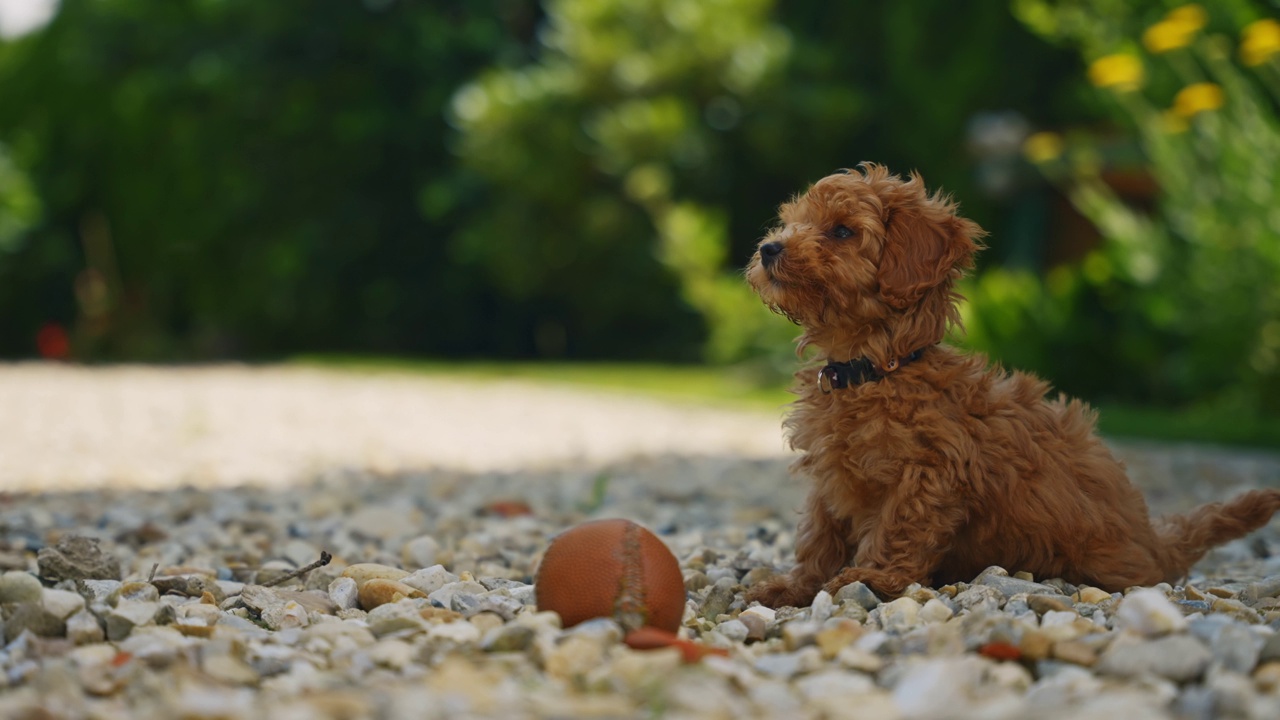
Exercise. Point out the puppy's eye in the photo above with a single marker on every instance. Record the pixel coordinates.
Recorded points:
(841, 231)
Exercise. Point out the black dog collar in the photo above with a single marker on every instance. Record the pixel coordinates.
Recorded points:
(840, 375)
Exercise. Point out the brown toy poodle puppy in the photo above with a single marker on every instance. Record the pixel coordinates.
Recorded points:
(927, 465)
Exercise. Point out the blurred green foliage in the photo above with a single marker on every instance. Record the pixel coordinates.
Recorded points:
(1180, 302)
(186, 179)
(239, 177)
(242, 178)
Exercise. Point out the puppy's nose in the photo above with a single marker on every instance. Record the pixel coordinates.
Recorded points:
(769, 253)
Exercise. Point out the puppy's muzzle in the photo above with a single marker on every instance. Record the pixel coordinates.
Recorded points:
(769, 253)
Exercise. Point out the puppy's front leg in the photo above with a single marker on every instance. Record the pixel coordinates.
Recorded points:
(914, 532)
(822, 548)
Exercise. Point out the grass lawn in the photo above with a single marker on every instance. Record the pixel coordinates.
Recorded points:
(732, 388)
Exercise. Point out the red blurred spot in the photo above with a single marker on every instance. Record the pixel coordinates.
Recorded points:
(650, 638)
(508, 508)
(1000, 651)
(121, 658)
(52, 342)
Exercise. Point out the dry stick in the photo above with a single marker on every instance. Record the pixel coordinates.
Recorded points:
(152, 575)
(324, 560)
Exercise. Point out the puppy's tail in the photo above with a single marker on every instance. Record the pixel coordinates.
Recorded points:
(1186, 538)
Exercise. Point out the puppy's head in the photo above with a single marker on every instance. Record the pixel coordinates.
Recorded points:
(864, 251)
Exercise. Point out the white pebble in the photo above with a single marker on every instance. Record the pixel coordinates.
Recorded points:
(1149, 613)
(62, 604)
(821, 608)
(344, 593)
(430, 579)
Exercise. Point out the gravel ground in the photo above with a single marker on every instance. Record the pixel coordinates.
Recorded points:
(112, 474)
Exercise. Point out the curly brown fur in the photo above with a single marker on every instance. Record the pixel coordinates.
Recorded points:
(945, 466)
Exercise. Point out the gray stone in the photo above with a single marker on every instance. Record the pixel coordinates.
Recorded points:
(719, 598)
(1265, 588)
(78, 558)
(393, 617)
(127, 615)
(99, 592)
(420, 552)
(1236, 648)
(502, 605)
(430, 579)
(695, 580)
(34, 618)
(84, 629)
(786, 665)
(1010, 586)
(859, 594)
(1179, 658)
(258, 598)
(980, 596)
(508, 638)
(1270, 651)
(821, 607)
(735, 630)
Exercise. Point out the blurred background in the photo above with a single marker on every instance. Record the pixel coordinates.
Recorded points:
(521, 182)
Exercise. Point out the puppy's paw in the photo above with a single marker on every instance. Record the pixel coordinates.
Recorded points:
(781, 592)
(882, 583)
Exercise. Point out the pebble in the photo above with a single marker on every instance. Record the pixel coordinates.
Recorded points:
(430, 579)
(420, 552)
(1179, 658)
(380, 591)
(285, 616)
(17, 586)
(859, 594)
(718, 598)
(78, 558)
(344, 593)
(1148, 612)
(757, 620)
(364, 572)
(997, 578)
(62, 604)
(936, 611)
(127, 615)
(395, 617)
(1092, 595)
(84, 629)
(32, 617)
(899, 614)
(734, 630)
(1236, 648)
(196, 641)
(138, 592)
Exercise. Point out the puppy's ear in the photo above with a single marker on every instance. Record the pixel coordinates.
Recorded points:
(920, 252)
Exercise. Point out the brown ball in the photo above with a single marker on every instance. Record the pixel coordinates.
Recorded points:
(615, 569)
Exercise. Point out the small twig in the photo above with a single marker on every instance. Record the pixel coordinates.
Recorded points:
(152, 575)
(324, 560)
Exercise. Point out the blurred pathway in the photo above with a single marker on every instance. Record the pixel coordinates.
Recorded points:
(65, 427)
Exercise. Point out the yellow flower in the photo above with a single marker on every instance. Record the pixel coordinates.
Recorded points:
(1167, 35)
(1121, 72)
(1191, 16)
(1043, 147)
(1176, 30)
(1195, 99)
(1260, 41)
